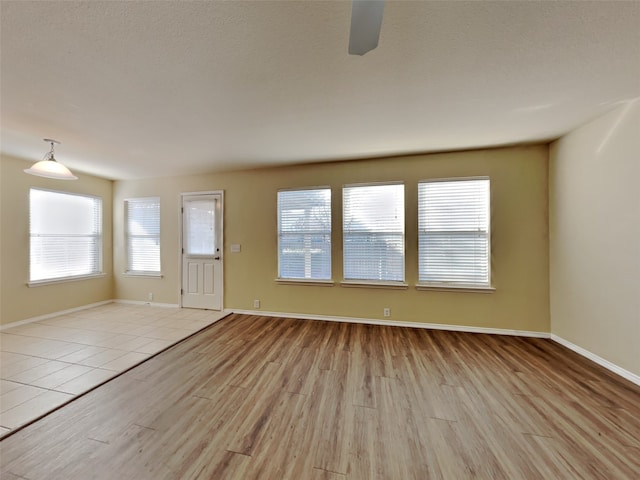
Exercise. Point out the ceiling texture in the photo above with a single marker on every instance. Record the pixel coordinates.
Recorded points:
(149, 89)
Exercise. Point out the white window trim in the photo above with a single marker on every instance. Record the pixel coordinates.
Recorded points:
(132, 273)
(454, 179)
(75, 278)
(305, 281)
(374, 284)
(374, 184)
(445, 287)
(297, 189)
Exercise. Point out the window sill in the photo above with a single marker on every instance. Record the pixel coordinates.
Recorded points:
(143, 274)
(305, 281)
(374, 284)
(53, 281)
(443, 287)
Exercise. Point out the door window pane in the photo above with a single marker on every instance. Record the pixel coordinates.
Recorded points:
(200, 237)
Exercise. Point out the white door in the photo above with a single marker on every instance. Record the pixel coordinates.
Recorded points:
(202, 250)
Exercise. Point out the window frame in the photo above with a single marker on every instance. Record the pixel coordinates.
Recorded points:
(127, 236)
(376, 283)
(457, 286)
(305, 280)
(99, 241)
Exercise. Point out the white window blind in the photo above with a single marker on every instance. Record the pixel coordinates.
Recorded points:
(65, 235)
(373, 228)
(304, 234)
(143, 235)
(453, 226)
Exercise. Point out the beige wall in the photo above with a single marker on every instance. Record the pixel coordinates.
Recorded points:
(18, 300)
(595, 237)
(519, 240)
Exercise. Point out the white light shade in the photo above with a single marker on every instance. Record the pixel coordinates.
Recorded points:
(51, 169)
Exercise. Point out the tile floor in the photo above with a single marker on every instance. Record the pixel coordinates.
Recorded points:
(46, 363)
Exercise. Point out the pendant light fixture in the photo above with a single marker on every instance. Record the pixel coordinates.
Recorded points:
(49, 167)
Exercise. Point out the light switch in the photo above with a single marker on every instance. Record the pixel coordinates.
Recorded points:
(235, 248)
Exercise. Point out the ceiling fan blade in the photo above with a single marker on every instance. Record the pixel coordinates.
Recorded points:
(366, 20)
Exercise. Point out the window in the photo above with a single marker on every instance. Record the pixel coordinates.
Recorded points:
(65, 235)
(453, 232)
(199, 234)
(304, 234)
(373, 227)
(143, 235)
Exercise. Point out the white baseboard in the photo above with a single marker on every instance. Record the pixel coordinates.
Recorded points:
(51, 315)
(632, 377)
(396, 323)
(151, 304)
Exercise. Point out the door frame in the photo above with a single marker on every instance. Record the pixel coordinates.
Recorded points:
(180, 243)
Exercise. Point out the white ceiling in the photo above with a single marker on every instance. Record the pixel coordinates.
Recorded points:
(148, 89)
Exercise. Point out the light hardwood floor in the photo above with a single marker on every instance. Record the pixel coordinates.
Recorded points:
(271, 398)
(47, 363)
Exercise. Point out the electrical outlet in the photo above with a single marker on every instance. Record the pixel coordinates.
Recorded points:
(386, 312)
(256, 304)
(150, 296)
